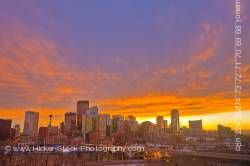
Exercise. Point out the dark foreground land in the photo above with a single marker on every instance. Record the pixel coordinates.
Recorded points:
(73, 159)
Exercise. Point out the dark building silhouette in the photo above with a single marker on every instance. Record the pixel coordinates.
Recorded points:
(131, 118)
(69, 122)
(148, 131)
(12, 133)
(62, 127)
(43, 134)
(175, 123)
(31, 121)
(165, 126)
(160, 124)
(5, 129)
(195, 125)
(81, 107)
(117, 124)
(18, 130)
(224, 132)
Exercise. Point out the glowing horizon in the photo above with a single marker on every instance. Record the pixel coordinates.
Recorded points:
(210, 121)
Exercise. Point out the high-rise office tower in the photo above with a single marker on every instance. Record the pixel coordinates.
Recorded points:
(175, 123)
(43, 135)
(160, 124)
(69, 122)
(87, 125)
(18, 130)
(224, 132)
(31, 123)
(132, 124)
(117, 123)
(131, 118)
(5, 127)
(62, 127)
(195, 125)
(102, 122)
(165, 126)
(81, 107)
(147, 131)
(92, 111)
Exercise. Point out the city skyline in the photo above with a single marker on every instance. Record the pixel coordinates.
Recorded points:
(93, 121)
(217, 118)
(51, 121)
(130, 58)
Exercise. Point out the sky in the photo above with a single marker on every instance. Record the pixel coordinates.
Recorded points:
(128, 57)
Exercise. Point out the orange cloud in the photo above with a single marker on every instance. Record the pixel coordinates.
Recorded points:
(246, 74)
(153, 105)
(200, 57)
(209, 38)
(31, 67)
(168, 71)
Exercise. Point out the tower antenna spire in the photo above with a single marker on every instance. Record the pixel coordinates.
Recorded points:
(50, 119)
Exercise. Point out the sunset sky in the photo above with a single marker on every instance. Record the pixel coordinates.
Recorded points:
(128, 57)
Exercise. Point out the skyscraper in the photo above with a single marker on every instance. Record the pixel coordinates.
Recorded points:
(92, 111)
(160, 124)
(87, 125)
(69, 122)
(165, 126)
(224, 132)
(132, 124)
(117, 123)
(148, 131)
(102, 122)
(18, 130)
(31, 123)
(81, 107)
(175, 123)
(5, 127)
(195, 125)
(43, 134)
(131, 118)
